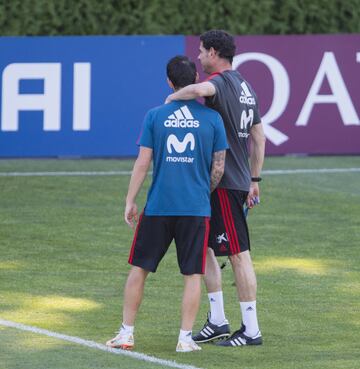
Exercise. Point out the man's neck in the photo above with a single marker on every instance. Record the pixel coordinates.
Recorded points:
(220, 67)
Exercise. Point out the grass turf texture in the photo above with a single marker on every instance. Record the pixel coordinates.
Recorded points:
(64, 249)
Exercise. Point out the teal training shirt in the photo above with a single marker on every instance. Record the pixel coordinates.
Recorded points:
(183, 135)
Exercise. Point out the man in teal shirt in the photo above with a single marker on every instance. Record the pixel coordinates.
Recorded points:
(187, 143)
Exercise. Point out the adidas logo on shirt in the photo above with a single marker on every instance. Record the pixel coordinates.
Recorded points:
(182, 118)
(246, 97)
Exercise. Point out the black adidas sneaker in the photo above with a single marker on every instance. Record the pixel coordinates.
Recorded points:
(238, 338)
(211, 332)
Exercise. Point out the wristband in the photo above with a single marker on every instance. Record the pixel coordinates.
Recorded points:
(256, 179)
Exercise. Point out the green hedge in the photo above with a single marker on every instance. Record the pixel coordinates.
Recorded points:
(187, 17)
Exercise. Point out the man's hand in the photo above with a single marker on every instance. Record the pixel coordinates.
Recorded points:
(257, 153)
(131, 214)
(253, 197)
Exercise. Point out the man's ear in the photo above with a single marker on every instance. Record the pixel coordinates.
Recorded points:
(171, 85)
(197, 77)
(212, 51)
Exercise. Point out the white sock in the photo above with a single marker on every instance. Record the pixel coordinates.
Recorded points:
(217, 313)
(249, 317)
(185, 336)
(128, 329)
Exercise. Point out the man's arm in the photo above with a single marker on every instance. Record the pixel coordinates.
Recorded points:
(194, 91)
(217, 168)
(257, 153)
(138, 176)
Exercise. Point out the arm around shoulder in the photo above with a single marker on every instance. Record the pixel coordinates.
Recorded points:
(193, 91)
(205, 89)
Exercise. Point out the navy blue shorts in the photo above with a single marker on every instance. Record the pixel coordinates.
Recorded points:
(229, 233)
(154, 235)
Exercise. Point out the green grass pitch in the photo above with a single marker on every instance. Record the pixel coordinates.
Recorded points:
(63, 263)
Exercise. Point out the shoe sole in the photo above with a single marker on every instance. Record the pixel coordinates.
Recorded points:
(197, 349)
(122, 347)
(219, 337)
(256, 342)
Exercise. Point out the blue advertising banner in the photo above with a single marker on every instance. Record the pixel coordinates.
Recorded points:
(80, 96)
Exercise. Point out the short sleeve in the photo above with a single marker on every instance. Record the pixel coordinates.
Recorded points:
(220, 141)
(218, 83)
(146, 136)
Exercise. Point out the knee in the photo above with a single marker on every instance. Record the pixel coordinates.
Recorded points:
(241, 260)
(193, 280)
(137, 276)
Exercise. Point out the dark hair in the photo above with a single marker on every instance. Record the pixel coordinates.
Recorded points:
(221, 41)
(181, 71)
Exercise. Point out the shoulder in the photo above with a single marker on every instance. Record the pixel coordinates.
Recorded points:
(159, 110)
(237, 75)
(156, 109)
(233, 75)
(150, 113)
(221, 81)
(215, 78)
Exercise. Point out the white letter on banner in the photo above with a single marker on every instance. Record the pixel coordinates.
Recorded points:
(340, 95)
(81, 106)
(49, 101)
(281, 92)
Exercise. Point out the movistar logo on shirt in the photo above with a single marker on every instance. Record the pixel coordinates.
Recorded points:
(180, 146)
(246, 97)
(173, 143)
(246, 122)
(182, 118)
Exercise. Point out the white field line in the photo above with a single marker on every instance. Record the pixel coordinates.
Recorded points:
(61, 174)
(301, 171)
(127, 173)
(95, 345)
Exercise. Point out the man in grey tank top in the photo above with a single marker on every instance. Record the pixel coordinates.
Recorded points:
(228, 93)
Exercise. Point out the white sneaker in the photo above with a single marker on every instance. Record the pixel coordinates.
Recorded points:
(123, 341)
(183, 346)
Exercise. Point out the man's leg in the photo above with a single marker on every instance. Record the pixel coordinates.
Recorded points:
(245, 277)
(212, 276)
(213, 283)
(189, 309)
(216, 326)
(246, 285)
(190, 301)
(133, 293)
(134, 290)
